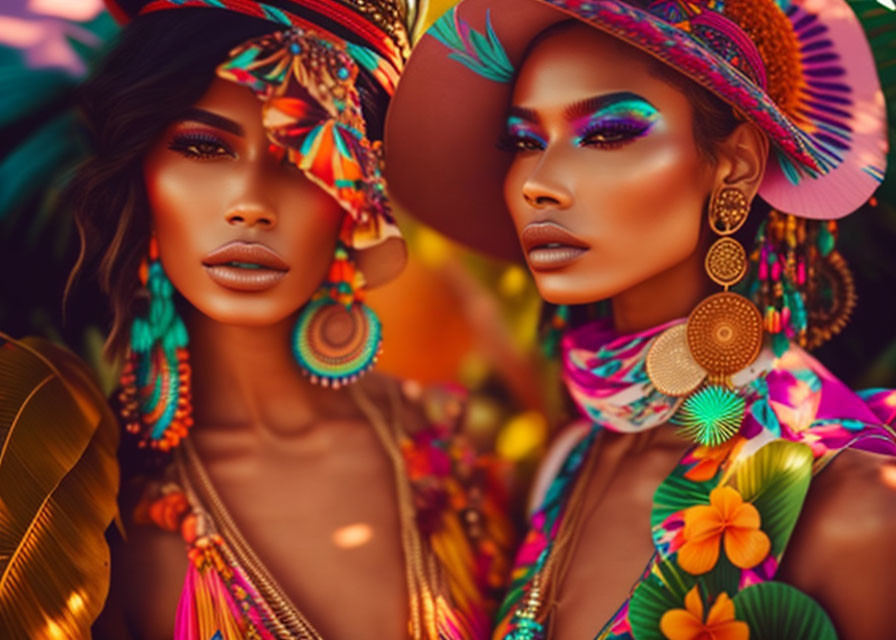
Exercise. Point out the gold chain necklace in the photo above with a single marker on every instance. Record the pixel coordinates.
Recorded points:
(421, 571)
(288, 621)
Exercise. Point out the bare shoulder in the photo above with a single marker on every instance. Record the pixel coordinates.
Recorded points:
(852, 501)
(842, 550)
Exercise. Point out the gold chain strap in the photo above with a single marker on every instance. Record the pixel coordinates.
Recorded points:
(287, 617)
(421, 575)
(289, 622)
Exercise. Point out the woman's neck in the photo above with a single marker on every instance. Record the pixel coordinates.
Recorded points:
(666, 296)
(246, 377)
(669, 295)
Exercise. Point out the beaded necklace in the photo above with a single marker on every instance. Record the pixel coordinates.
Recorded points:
(453, 535)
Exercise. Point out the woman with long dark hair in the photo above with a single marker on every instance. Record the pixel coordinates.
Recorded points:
(235, 213)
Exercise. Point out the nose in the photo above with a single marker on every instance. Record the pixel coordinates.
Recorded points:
(252, 214)
(544, 188)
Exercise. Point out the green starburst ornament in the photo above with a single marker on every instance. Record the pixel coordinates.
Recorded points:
(711, 415)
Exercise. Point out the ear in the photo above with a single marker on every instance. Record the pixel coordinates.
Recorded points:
(741, 160)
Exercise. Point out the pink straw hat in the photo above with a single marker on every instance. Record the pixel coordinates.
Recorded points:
(801, 70)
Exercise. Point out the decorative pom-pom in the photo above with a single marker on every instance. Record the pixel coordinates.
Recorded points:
(711, 415)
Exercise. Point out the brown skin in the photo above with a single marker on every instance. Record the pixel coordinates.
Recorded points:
(638, 207)
(239, 192)
(294, 463)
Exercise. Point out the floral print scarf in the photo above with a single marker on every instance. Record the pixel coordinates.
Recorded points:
(721, 521)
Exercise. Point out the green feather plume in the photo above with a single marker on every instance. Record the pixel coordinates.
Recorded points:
(483, 54)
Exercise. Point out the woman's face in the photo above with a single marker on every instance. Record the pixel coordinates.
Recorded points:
(244, 237)
(607, 187)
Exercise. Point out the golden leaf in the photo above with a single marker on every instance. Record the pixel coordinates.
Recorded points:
(58, 489)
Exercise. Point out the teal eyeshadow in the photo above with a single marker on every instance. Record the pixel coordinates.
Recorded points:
(518, 127)
(635, 115)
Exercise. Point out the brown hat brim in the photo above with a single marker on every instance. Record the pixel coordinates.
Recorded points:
(447, 127)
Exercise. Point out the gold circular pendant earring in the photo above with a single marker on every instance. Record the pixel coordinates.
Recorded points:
(725, 330)
(722, 336)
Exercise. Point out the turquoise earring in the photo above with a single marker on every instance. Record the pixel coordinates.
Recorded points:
(337, 338)
(155, 382)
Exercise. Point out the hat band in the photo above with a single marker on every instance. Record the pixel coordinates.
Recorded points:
(369, 33)
(717, 32)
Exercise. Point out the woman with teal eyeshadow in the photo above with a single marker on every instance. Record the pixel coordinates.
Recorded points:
(679, 166)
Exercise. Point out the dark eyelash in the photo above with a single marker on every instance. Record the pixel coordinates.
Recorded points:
(196, 145)
(511, 143)
(621, 132)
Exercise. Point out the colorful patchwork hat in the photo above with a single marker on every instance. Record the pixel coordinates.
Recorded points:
(304, 73)
(801, 70)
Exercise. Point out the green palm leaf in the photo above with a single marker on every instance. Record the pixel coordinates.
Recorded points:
(879, 23)
(664, 589)
(775, 479)
(676, 493)
(777, 611)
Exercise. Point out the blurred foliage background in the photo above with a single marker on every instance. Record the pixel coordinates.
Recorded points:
(452, 316)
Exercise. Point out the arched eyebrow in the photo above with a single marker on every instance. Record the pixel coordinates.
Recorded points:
(214, 120)
(589, 106)
(523, 113)
(582, 108)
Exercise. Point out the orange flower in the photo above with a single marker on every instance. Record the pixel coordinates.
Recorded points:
(710, 459)
(688, 624)
(726, 519)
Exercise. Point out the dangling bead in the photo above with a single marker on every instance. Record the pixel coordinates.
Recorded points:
(800, 275)
(526, 629)
(523, 622)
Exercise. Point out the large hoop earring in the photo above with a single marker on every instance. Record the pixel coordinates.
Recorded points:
(337, 338)
(155, 382)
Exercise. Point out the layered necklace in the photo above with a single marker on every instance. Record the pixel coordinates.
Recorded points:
(219, 544)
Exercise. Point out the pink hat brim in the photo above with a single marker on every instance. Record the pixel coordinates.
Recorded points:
(827, 157)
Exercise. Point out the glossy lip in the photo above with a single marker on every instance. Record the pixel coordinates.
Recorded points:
(272, 268)
(550, 246)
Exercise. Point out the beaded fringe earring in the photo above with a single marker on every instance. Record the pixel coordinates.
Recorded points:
(337, 338)
(155, 382)
(800, 282)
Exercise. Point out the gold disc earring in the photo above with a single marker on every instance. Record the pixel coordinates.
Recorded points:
(723, 335)
(724, 331)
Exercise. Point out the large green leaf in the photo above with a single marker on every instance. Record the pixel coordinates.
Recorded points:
(775, 479)
(676, 493)
(662, 590)
(777, 611)
(724, 577)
